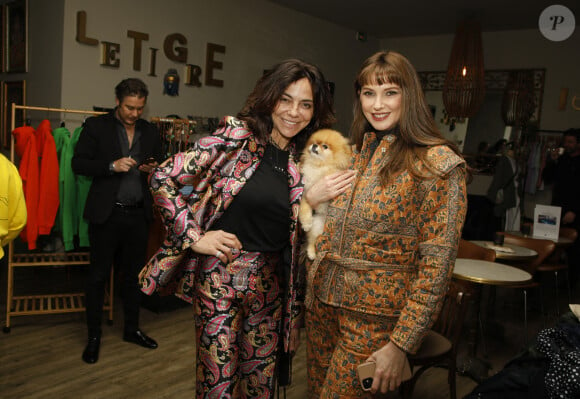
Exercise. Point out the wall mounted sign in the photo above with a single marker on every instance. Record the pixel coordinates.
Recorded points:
(173, 48)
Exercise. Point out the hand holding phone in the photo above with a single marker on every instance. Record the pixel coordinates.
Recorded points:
(366, 372)
(148, 161)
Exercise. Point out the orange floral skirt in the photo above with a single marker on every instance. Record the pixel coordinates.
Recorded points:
(338, 341)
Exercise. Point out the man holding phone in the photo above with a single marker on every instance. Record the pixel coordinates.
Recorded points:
(118, 150)
(563, 171)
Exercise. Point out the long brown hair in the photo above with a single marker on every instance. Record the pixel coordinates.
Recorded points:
(257, 111)
(417, 129)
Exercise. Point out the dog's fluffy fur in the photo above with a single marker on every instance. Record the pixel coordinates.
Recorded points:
(327, 151)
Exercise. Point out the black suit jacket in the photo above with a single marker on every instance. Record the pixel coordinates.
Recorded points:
(97, 147)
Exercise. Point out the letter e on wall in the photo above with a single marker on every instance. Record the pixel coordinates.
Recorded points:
(211, 64)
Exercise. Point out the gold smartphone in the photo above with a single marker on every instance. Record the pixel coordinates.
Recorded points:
(366, 372)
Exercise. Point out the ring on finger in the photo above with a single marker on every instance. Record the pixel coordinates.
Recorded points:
(218, 253)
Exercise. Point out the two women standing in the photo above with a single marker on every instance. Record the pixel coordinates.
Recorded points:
(384, 259)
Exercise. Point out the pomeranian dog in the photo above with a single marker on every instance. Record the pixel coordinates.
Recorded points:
(327, 151)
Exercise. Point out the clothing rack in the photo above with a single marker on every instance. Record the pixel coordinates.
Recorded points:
(157, 119)
(176, 134)
(28, 305)
(46, 109)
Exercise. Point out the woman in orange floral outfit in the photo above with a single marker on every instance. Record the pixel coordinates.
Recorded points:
(387, 253)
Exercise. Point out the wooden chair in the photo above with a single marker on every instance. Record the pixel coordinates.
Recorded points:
(469, 250)
(439, 348)
(560, 263)
(544, 249)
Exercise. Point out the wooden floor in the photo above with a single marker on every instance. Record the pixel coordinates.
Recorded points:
(41, 356)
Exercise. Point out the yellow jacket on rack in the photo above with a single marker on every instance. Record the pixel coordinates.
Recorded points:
(12, 205)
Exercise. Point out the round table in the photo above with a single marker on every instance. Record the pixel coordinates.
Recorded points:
(483, 272)
(490, 273)
(517, 253)
(561, 241)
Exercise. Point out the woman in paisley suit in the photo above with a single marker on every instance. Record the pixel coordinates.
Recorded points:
(387, 253)
(232, 244)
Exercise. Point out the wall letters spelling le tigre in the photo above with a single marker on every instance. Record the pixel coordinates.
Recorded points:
(172, 48)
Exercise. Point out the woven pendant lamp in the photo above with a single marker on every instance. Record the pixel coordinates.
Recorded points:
(519, 102)
(464, 86)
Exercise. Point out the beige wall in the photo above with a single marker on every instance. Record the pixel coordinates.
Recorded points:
(256, 35)
(509, 50)
(45, 41)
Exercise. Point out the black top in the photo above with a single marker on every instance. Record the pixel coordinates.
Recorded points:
(130, 191)
(565, 174)
(380, 135)
(260, 214)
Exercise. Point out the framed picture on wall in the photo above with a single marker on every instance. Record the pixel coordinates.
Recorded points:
(16, 40)
(12, 92)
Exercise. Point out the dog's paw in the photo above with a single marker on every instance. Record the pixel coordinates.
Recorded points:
(311, 252)
(305, 221)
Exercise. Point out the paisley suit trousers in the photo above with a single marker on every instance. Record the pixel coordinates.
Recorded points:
(238, 309)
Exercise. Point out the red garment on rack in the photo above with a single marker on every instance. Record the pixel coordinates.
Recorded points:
(29, 169)
(49, 167)
(39, 172)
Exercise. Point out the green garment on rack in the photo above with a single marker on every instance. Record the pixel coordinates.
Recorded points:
(67, 218)
(83, 184)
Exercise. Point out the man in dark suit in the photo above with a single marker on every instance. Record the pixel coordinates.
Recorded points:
(118, 150)
(563, 171)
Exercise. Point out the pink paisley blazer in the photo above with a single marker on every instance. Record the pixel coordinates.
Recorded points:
(390, 251)
(217, 167)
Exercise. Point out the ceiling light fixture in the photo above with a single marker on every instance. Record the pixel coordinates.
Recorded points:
(519, 102)
(464, 86)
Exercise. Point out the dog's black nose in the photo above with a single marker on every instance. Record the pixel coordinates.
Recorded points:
(315, 148)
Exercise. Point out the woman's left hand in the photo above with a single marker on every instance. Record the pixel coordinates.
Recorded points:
(329, 187)
(390, 362)
(294, 340)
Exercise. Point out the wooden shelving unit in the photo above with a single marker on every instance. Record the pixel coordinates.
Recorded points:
(30, 305)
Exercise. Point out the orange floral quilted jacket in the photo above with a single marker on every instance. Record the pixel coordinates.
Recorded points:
(390, 251)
